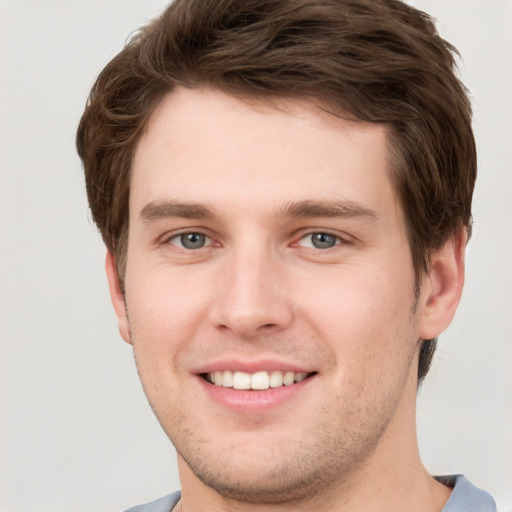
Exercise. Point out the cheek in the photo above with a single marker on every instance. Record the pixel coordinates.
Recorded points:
(165, 312)
(164, 318)
(366, 317)
(358, 299)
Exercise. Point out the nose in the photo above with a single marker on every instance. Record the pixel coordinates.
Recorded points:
(252, 298)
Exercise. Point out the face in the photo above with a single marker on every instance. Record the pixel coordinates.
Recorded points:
(270, 293)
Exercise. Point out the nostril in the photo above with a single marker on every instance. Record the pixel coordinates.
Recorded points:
(250, 319)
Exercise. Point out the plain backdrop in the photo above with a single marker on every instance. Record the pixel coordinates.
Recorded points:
(76, 431)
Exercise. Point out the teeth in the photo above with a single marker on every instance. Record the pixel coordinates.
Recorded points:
(241, 380)
(259, 380)
(227, 379)
(289, 378)
(300, 376)
(276, 379)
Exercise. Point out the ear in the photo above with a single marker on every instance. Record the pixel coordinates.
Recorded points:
(117, 297)
(442, 287)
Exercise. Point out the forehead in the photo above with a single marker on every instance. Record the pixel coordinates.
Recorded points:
(205, 146)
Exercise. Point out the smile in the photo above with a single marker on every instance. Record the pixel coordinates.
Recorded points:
(258, 381)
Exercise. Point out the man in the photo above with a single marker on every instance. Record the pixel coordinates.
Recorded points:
(284, 189)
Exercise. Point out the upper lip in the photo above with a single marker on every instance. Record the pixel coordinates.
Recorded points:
(252, 366)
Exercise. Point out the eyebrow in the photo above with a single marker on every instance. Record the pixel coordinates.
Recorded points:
(327, 209)
(157, 210)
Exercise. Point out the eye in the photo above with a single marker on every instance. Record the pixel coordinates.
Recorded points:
(319, 240)
(190, 240)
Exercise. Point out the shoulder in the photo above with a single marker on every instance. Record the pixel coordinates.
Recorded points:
(465, 496)
(165, 504)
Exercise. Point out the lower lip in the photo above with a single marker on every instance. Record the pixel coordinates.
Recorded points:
(253, 401)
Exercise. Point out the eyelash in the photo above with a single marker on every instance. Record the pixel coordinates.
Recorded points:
(178, 236)
(338, 240)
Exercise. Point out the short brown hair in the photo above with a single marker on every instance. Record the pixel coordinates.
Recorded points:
(373, 60)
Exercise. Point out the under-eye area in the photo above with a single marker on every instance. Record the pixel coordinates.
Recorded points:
(255, 381)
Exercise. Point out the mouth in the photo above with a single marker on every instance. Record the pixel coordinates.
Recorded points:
(258, 381)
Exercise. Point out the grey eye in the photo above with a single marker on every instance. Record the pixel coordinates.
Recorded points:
(192, 240)
(323, 240)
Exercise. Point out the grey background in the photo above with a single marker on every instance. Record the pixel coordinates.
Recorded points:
(76, 433)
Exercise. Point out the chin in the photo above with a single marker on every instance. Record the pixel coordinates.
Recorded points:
(261, 483)
(275, 470)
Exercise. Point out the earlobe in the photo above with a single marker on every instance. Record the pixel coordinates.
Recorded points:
(442, 287)
(117, 297)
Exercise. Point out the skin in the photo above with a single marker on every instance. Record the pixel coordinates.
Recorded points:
(260, 293)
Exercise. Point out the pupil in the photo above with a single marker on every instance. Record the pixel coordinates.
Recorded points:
(323, 240)
(192, 240)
